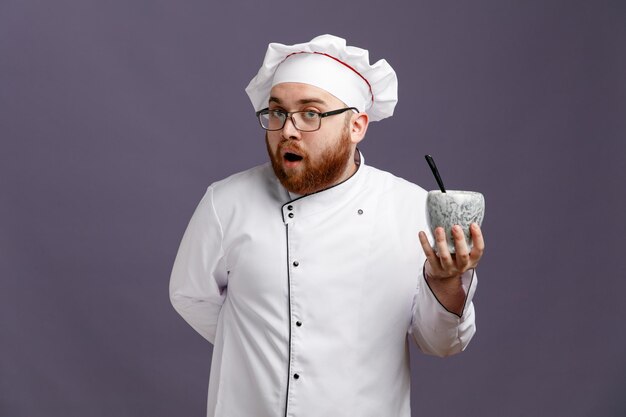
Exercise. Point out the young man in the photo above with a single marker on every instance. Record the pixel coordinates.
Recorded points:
(307, 273)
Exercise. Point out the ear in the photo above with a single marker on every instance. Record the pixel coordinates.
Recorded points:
(358, 127)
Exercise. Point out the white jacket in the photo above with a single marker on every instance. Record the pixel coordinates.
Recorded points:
(308, 302)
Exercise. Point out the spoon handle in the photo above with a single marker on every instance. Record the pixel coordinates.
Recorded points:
(433, 168)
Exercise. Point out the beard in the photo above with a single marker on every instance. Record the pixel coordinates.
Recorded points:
(313, 175)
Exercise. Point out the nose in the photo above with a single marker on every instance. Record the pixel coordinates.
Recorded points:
(289, 130)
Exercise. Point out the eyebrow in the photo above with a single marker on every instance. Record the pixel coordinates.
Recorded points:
(301, 101)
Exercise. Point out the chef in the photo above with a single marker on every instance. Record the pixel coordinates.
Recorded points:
(309, 273)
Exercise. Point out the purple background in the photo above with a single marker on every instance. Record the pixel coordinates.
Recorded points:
(116, 115)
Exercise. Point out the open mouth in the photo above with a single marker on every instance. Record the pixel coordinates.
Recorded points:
(292, 157)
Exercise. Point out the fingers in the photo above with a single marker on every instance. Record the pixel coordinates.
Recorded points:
(442, 263)
(433, 266)
(462, 258)
(479, 243)
(445, 258)
(428, 250)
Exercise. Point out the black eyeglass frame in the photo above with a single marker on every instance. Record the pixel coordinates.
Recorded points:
(288, 115)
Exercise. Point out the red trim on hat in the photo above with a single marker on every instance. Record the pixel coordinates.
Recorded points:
(369, 86)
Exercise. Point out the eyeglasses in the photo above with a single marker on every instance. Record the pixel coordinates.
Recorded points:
(304, 121)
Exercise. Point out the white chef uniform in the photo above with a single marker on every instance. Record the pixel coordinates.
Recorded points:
(308, 302)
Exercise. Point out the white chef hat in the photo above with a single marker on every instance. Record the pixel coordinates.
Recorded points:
(328, 63)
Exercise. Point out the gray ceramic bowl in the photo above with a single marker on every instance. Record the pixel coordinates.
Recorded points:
(454, 207)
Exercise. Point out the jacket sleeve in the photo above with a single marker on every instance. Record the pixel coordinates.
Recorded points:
(198, 280)
(436, 330)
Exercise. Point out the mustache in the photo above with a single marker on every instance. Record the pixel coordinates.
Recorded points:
(291, 146)
(290, 143)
